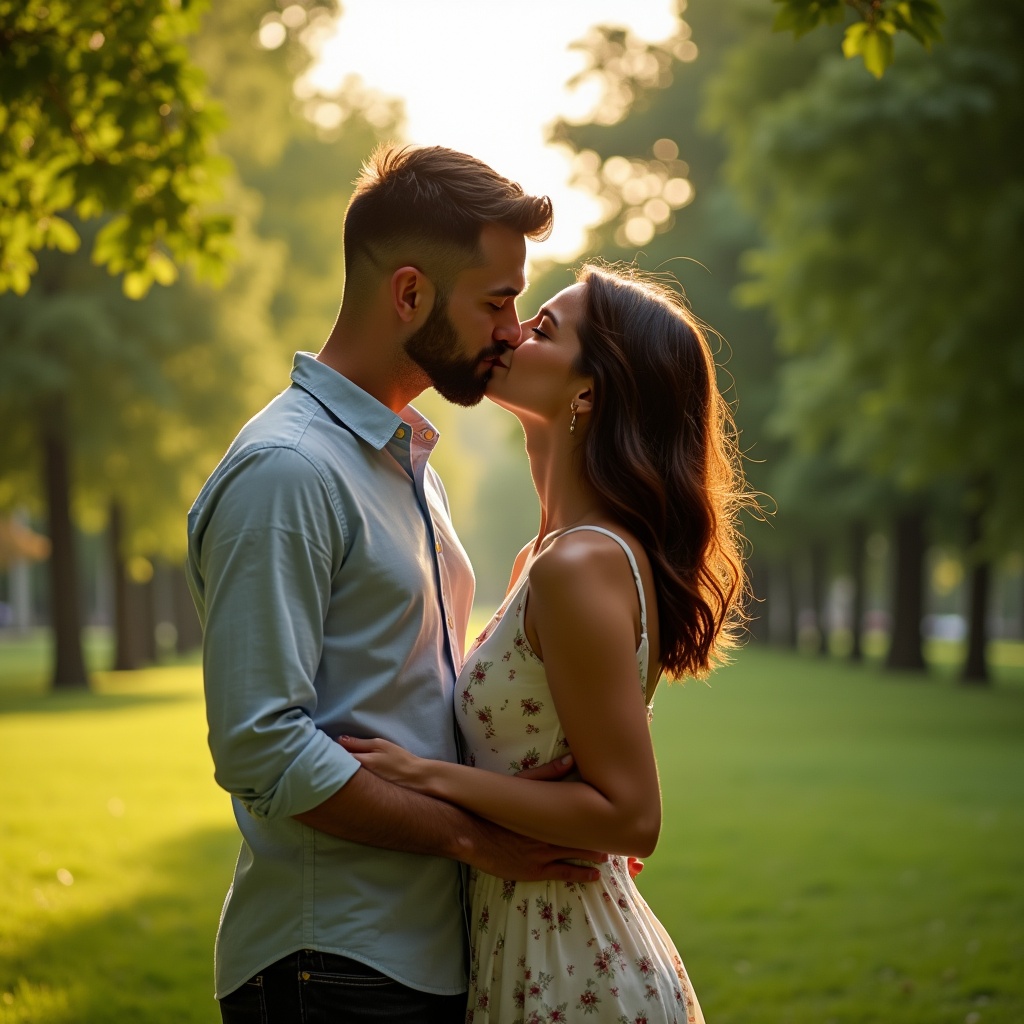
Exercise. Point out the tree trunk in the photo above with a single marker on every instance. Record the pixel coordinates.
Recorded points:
(186, 619)
(858, 541)
(819, 595)
(975, 670)
(69, 661)
(791, 637)
(134, 613)
(905, 646)
(125, 654)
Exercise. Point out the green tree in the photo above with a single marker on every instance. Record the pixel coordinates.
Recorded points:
(886, 267)
(135, 401)
(126, 402)
(652, 142)
(102, 112)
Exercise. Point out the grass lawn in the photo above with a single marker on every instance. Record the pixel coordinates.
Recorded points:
(839, 845)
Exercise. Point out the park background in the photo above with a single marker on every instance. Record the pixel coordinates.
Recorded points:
(844, 835)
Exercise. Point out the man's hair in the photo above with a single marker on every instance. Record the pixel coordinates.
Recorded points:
(426, 206)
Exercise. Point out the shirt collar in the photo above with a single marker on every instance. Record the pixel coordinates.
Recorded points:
(348, 403)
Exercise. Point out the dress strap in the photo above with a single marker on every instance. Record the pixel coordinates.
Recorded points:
(632, 564)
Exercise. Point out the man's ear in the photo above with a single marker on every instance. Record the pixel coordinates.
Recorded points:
(412, 295)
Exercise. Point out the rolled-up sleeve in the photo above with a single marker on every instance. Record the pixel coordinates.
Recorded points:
(269, 542)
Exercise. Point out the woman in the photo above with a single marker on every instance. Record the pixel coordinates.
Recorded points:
(635, 571)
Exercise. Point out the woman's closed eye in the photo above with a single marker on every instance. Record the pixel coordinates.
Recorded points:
(539, 333)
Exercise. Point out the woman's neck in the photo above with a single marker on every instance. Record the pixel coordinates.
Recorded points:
(566, 500)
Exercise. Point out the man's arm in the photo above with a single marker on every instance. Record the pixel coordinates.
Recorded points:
(267, 556)
(371, 811)
(583, 596)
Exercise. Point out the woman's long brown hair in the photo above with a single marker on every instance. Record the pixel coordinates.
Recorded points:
(661, 450)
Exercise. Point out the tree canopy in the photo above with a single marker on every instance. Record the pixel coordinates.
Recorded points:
(103, 112)
(128, 403)
(886, 266)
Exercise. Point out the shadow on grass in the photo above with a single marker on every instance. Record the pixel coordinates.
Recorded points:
(148, 959)
(28, 690)
(28, 700)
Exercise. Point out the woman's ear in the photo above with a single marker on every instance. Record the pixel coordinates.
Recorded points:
(584, 398)
(412, 295)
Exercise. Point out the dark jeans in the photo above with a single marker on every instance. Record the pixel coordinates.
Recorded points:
(320, 988)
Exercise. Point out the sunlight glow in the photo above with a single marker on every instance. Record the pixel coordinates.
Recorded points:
(489, 79)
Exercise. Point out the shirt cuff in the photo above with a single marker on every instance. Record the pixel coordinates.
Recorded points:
(322, 768)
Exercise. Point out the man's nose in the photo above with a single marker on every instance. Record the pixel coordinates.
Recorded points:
(509, 333)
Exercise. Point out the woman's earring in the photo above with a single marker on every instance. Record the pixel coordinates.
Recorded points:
(572, 424)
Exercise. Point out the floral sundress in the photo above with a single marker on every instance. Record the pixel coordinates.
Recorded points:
(555, 951)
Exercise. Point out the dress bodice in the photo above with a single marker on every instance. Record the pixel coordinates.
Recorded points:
(503, 703)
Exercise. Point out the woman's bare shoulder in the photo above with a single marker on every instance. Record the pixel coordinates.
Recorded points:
(583, 559)
(581, 544)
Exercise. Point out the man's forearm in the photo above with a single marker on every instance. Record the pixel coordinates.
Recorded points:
(373, 812)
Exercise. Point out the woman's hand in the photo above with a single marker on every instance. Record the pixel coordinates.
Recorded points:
(390, 761)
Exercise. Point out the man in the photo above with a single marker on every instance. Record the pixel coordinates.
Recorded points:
(335, 598)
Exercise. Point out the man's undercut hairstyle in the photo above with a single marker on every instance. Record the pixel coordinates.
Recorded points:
(425, 206)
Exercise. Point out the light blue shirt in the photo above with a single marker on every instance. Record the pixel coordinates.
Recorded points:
(335, 598)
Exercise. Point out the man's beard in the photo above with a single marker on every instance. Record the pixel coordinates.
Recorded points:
(433, 348)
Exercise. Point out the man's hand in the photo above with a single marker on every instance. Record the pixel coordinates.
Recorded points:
(505, 854)
(373, 812)
(476, 841)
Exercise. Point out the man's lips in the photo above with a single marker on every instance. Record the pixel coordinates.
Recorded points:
(498, 360)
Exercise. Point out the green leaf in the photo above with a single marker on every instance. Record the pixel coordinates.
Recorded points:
(163, 269)
(877, 50)
(919, 19)
(61, 235)
(137, 283)
(111, 242)
(853, 40)
(871, 42)
(19, 277)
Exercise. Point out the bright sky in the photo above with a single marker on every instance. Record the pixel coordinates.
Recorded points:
(487, 77)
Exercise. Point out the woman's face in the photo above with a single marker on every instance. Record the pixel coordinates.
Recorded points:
(539, 382)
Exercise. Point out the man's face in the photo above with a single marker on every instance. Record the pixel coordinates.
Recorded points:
(463, 339)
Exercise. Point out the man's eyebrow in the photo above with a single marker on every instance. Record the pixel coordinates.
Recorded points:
(544, 311)
(510, 291)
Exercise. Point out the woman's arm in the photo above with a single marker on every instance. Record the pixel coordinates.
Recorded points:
(583, 607)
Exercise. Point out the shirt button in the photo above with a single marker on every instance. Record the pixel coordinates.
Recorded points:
(437, 547)
(451, 623)
(400, 432)
(428, 435)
